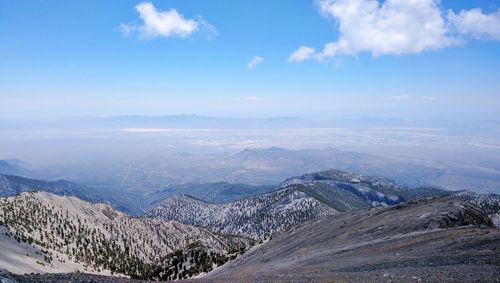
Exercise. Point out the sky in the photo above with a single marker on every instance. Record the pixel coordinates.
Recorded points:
(410, 59)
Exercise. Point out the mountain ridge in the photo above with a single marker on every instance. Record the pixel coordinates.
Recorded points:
(214, 192)
(104, 239)
(256, 217)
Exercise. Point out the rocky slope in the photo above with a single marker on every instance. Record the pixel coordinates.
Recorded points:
(256, 217)
(99, 238)
(489, 203)
(433, 240)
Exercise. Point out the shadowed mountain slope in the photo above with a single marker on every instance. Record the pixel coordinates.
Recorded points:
(345, 191)
(11, 185)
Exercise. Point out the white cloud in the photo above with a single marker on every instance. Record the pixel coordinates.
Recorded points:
(405, 97)
(393, 27)
(398, 97)
(476, 24)
(301, 54)
(168, 23)
(126, 29)
(428, 98)
(256, 60)
(249, 98)
(396, 27)
(209, 29)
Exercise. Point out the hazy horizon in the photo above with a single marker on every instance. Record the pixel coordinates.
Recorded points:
(302, 59)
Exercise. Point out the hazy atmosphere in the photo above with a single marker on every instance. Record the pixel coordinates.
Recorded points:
(188, 136)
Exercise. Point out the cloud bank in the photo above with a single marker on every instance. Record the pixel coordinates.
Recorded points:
(476, 24)
(396, 27)
(256, 60)
(165, 24)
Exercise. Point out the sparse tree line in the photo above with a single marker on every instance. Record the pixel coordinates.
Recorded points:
(113, 247)
(256, 217)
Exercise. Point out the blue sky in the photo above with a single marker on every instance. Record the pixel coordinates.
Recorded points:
(72, 58)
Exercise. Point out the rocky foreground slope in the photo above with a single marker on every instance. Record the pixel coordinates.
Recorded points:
(435, 240)
(47, 233)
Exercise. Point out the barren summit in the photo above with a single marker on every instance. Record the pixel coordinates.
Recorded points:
(435, 239)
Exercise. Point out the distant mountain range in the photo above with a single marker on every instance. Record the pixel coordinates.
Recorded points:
(13, 167)
(218, 192)
(271, 164)
(168, 121)
(488, 127)
(11, 185)
(197, 121)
